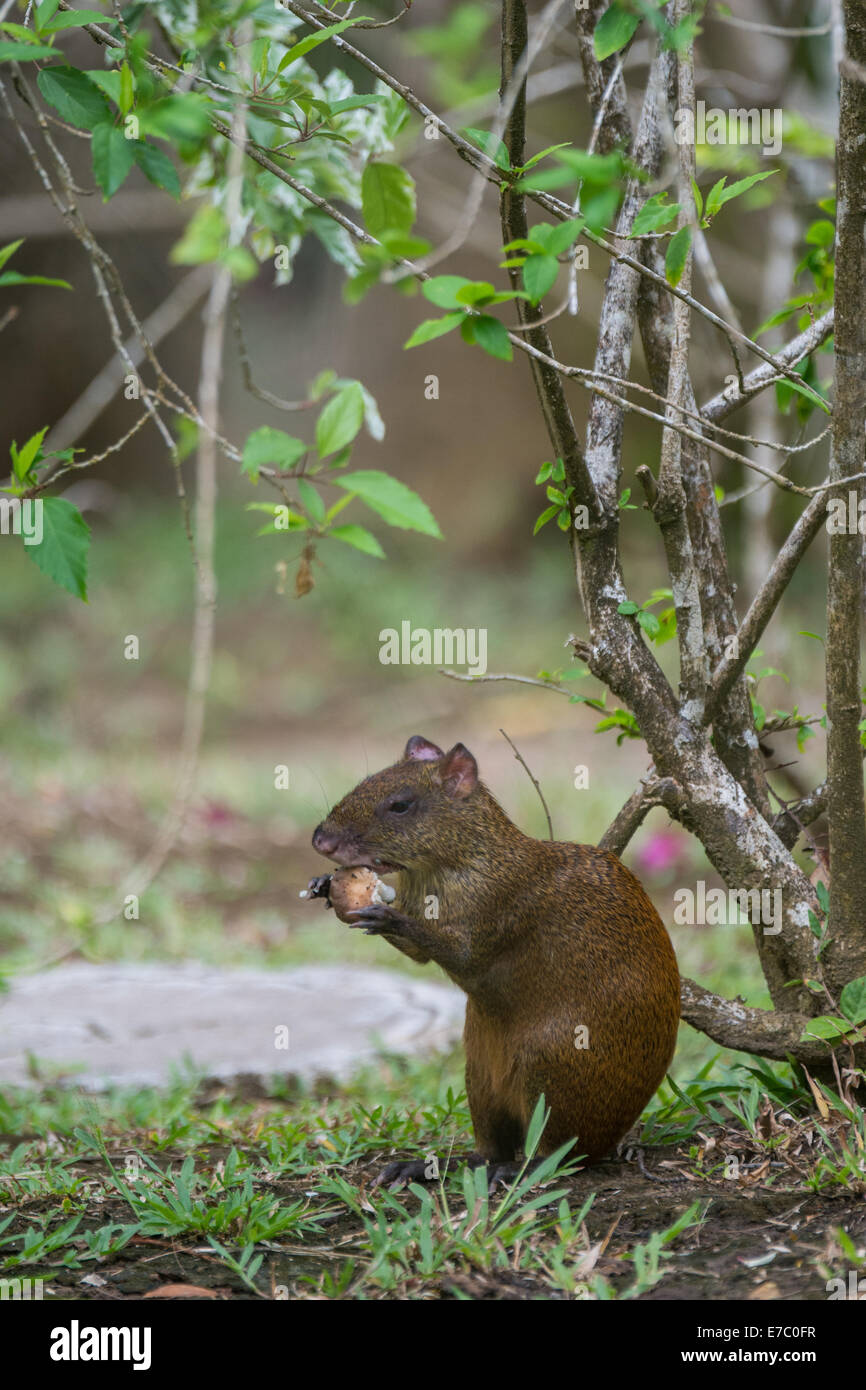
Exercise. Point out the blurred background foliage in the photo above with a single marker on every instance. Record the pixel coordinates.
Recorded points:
(90, 740)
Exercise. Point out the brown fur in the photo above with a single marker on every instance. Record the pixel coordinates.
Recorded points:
(543, 937)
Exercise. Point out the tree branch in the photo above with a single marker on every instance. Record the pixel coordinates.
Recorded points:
(845, 958)
(729, 400)
(733, 1024)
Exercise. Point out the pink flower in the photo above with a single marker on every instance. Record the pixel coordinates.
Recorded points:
(660, 852)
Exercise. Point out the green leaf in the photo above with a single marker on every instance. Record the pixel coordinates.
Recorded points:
(852, 1000)
(492, 336)
(360, 538)
(203, 238)
(113, 157)
(12, 52)
(312, 500)
(356, 103)
(494, 149)
(107, 80)
(12, 277)
(803, 390)
(75, 19)
(156, 166)
(628, 609)
(547, 515)
(9, 250)
(25, 457)
(825, 1027)
(126, 96)
(782, 315)
(677, 255)
(387, 198)
(73, 95)
(564, 235)
(241, 262)
(656, 212)
(613, 31)
(270, 446)
(476, 292)
(185, 117)
(45, 11)
(392, 500)
(62, 552)
(542, 154)
(539, 273)
(433, 328)
(443, 290)
(821, 233)
(399, 244)
(19, 31)
(313, 40)
(650, 624)
(340, 420)
(719, 194)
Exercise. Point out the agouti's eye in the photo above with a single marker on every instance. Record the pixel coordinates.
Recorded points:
(399, 807)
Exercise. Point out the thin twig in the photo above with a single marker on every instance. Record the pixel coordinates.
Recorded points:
(534, 780)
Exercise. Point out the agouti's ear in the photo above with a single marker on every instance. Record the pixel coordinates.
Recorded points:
(458, 772)
(421, 750)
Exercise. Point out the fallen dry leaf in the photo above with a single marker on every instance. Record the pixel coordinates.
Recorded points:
(767, 1290)
(181, 1291)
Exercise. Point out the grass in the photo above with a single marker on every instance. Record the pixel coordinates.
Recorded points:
(271, 1196)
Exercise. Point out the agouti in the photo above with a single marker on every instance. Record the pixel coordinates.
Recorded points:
(571, 980)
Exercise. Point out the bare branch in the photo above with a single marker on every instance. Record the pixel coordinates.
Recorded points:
(548, 385)
(729, 400)
(533, 779)
(766, 601)
(651, 791)
(733, 1024)
(206, 491)
(845, 958)
(669, 508)
(105, 385)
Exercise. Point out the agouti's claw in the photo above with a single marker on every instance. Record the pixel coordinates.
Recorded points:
(378, 917)
(318, 887)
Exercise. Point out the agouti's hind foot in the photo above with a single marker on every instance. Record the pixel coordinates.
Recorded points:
(404, 1171)
(501, 1174)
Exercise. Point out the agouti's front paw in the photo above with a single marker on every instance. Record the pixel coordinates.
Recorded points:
(378, 918)
(318, 887)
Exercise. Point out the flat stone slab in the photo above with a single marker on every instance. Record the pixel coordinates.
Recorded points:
(131, 1024)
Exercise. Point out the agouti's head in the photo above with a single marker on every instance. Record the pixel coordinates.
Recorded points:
(417, 814)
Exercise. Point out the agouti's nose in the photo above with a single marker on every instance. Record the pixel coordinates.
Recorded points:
(325, 841)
